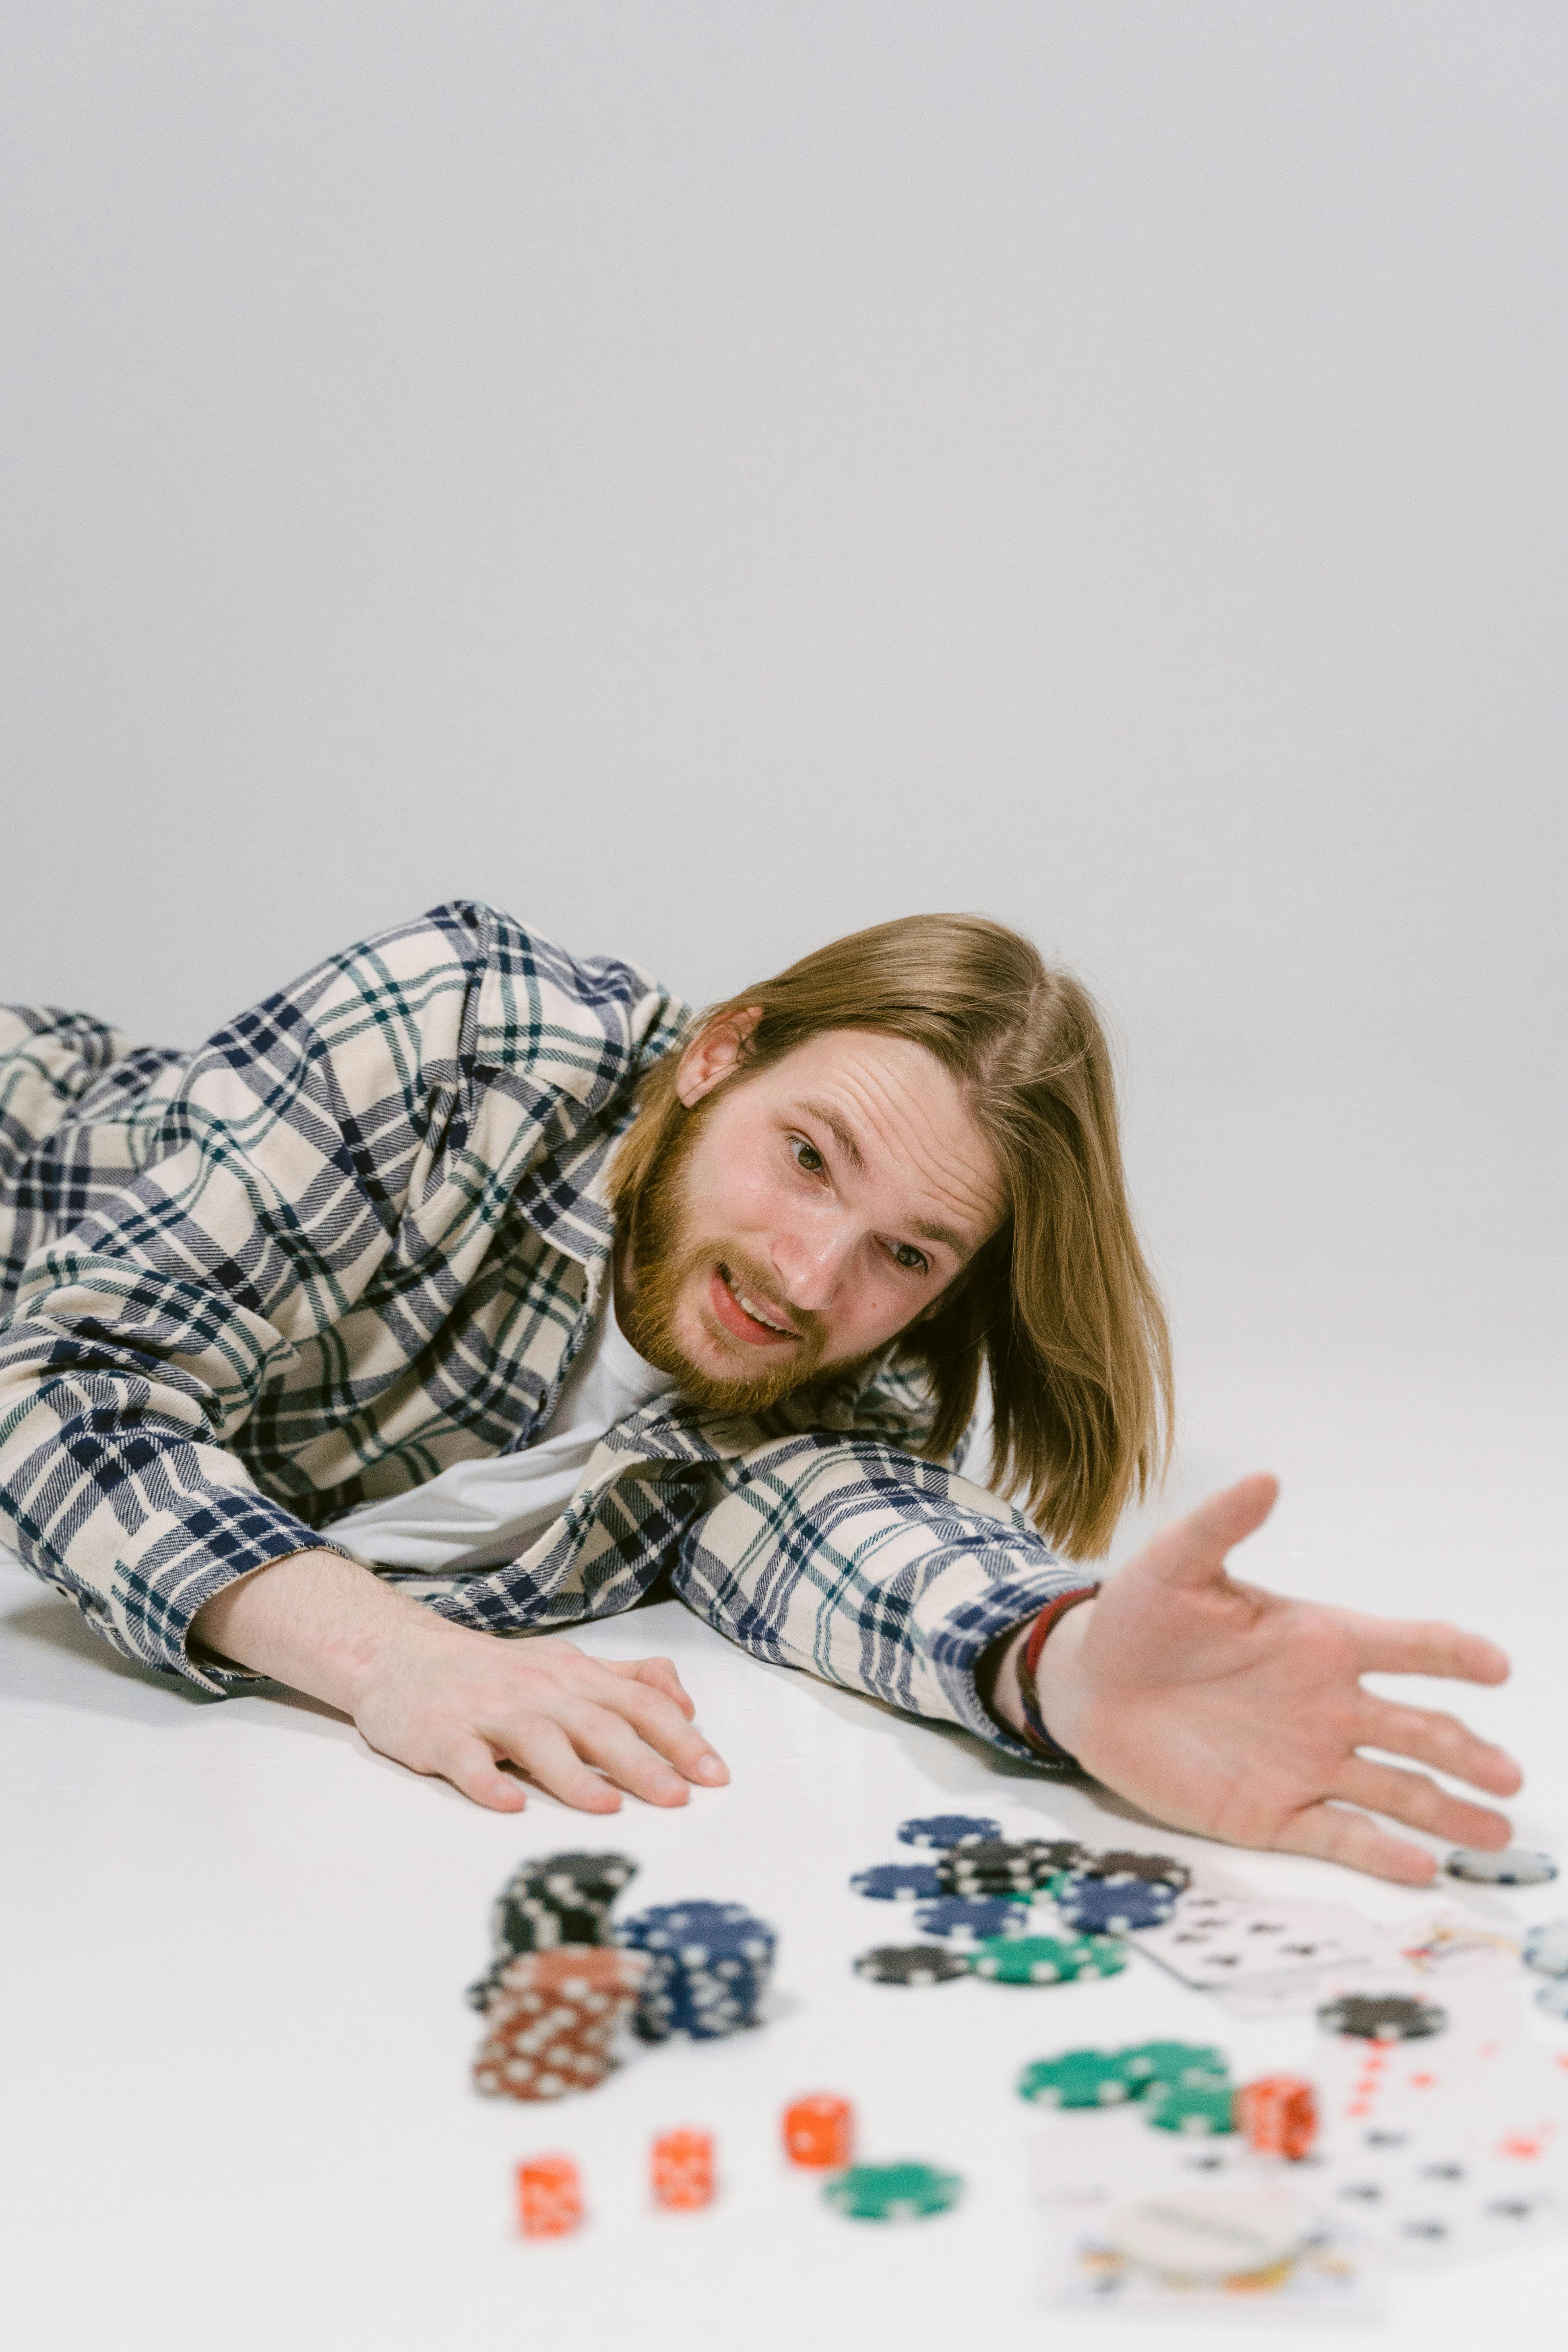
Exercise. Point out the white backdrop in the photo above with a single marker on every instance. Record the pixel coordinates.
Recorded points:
(708, 476)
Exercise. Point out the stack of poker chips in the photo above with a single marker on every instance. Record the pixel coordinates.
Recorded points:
(563, 1900)
(552, 2018)
(708, 1964)
(1182, 2086)
(993, 1866)
(1113, 1903)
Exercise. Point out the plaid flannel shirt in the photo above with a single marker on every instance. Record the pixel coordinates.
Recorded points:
(359, 1235)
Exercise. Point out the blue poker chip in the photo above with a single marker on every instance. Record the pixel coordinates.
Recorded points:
(971, 1920)
(944, 1830)
(1113, 1906)
(898, 1881)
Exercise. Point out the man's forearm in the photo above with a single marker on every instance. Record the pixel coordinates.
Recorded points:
(314, 1620)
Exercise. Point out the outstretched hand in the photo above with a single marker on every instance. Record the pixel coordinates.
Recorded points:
(1239, 1713)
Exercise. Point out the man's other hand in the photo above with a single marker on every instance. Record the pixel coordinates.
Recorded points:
(1222, 1708)
(445, 1700)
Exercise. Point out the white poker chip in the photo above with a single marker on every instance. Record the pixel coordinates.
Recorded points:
(1554, 1997)
(1211, 2228)
(1513, 1867)
(1546, 1948)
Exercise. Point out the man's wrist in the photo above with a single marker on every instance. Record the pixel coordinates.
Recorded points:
(1008, 1682)
(313, 1620)
(1058, 1673)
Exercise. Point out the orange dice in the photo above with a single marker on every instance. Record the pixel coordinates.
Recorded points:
(820, 2131)
(1279, 2113)
(549, 2196)
(683, 2170)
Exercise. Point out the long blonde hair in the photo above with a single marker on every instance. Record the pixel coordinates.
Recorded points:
(1060, 1305)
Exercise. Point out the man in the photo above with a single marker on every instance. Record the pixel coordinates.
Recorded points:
(463, 1288)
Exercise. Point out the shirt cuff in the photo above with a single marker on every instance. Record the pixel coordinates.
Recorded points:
(958, 1646)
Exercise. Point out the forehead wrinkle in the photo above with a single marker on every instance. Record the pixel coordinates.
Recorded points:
(888, 1103)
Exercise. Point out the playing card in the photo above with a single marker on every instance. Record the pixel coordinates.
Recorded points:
(1227, 1942)
(1420, 2198)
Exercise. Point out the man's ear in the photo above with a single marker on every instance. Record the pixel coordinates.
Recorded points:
(713, 1053)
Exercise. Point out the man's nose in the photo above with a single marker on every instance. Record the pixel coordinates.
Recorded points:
(810, 1265)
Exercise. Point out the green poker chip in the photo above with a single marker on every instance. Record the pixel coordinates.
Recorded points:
(892, 2193)
(1201, 2109)
(1178, 2065)
(1079, 2078)
(1047, 1959)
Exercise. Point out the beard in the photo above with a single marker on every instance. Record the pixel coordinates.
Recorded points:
(668, 1262)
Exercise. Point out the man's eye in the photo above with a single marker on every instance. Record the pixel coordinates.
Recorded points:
(912, 1260)
(806, 1156)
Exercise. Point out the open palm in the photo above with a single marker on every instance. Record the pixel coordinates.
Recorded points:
(1220, 1707)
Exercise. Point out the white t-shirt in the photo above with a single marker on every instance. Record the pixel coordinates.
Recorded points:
(481, 1513)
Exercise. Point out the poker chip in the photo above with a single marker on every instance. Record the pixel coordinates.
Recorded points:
(899, 1881)
(892, 2193)
(1062, 1853)
(552, 2019)
(1180, 2065)
(560, 1898)
(948, 1829)
(1047, 1959)
(708, 1968)
(993, 1866)
(1546, 1948)
(1200, 2109)
(1115, 1906)
(1151, 1869)
(1553, 1997)
(911, 1964)
(1513, 1867)
(1079, 2078)
(1383, 2017)
(1211, 2230)
(972, 1919)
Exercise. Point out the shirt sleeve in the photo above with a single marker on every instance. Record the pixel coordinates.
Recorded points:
(295, 1161)
(873, 1568)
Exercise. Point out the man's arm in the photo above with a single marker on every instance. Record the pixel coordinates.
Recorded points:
(443, 1699)
(1219, 1707)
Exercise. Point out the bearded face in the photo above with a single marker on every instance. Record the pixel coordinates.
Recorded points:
(798, 1218)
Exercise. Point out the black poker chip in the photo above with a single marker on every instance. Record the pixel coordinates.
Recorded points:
(1153, 1869)
(911, 1964)
(1383, 2017)
(994, 1865)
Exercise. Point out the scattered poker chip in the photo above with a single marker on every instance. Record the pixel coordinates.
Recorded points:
(1211, 2230)
(892, 2193)
(973, 1918)
(1200, 2109)
(1047, 1959)
(1513, 1867)
(948, 1829)
(1546, 1948)
(1079, 2078)
(1382, 2016)
(899, 1881)
(911, 1964)
(1553, 1997)
(1180, 2064)
(1154, 1869)
(1114, 1906)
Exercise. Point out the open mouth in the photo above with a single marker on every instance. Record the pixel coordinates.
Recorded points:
(743, 1313)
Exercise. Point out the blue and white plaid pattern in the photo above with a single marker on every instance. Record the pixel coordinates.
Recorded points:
(359, 1235)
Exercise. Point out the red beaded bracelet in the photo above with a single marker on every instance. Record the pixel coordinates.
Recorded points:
(1029, 1659)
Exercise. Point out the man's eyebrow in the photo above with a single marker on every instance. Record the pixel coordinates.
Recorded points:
(842, 1136)
(844, 1139)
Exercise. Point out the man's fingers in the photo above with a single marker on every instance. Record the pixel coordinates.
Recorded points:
(1412, 1798)
(611, 1743)
(543, 1749)
(659, 1673)
(1334, 1833)
(1439, 1740)
(471, 1768)
(1395, 1645)
(1191, 1553)
(651, 1711)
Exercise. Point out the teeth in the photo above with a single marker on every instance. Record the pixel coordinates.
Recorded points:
(756, 1312)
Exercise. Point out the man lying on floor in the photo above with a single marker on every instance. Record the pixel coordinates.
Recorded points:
(463, 1288)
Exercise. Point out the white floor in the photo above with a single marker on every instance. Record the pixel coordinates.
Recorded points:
(235, 2070)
